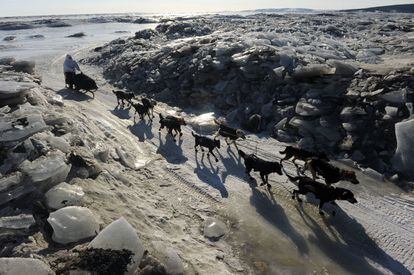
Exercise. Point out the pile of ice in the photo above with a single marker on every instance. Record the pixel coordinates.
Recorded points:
(296, 77)
(72, 224)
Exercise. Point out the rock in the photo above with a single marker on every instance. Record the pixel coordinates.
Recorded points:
(23, 221)
(72, 224)
(127, 159)
(11, 180)
(12, 89)
(82, 158)
(47, 171)
(120, 235)
(76, 35)
(57, 100)
(9, 38)
(169, 258)
(254, 123)
(21, 128)
(7, 60)
(399, 97)
(342, 68)
(24, 66)
(37, 36)
(63, 195)
(311, 71)
(21, 266)
(214, 229)
(403, 160)
(304, 108)
(281, 124)
(391, 111)
(145, 34)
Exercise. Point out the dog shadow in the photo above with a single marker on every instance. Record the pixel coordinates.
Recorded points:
(232, 164)
(171, 150)
(122, 113)
(142, 130)
(357, 246)
(267, 207)
(73, 95)
(210, 175)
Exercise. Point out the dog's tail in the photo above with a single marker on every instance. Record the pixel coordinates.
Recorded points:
(242, 154)
(194, 135)
(283, 152)
(161, 116)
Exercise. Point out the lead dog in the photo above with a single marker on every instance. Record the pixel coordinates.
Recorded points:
(324, 193)
(252, 162)
(330, 173)
(202, 141)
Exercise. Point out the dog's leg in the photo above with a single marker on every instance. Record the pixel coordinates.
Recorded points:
(195, 147)
(321, 203)
(263, 177)
(248, 170)
(226, 139)
(211, 151)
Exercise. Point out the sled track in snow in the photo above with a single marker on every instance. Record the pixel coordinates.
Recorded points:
(192, 186)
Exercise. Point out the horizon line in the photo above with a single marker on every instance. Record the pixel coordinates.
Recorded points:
(200, 12)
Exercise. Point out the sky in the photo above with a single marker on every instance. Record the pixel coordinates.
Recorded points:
(47, 7)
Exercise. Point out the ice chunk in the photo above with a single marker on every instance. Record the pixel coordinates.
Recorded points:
(10, 89)
(121, 235)
(22, 221)
(21, 266)
(21, 128)
(312, 71)
(399, 97)
(64, 195)
(73, 223)
(214, 228)
(169, 258)
(403, 159)
(204, 124)
(47, 171)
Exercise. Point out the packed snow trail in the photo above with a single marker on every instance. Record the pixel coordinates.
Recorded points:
(273, 233)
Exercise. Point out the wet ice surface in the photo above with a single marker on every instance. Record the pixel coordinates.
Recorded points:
(55, 41)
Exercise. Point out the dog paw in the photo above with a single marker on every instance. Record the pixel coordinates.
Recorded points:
(216, 160)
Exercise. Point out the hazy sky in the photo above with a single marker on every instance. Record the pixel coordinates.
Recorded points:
(40, 7)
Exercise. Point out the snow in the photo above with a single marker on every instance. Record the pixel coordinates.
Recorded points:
(63, 195)
(120, 235)
(72, 224)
